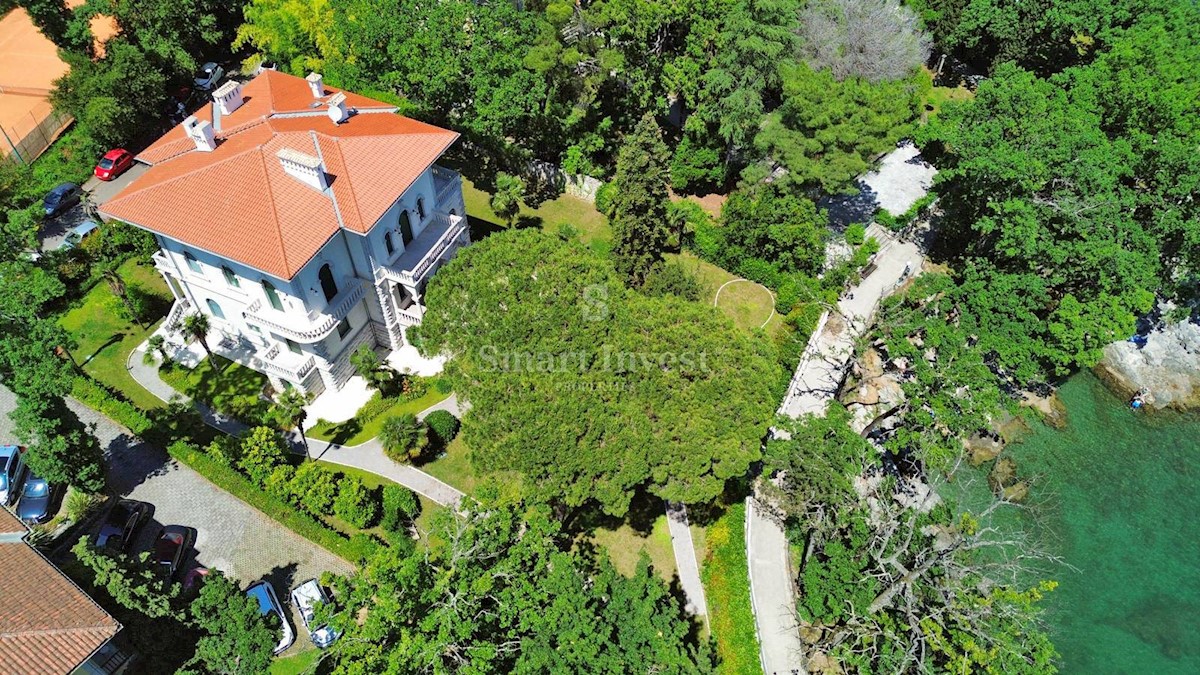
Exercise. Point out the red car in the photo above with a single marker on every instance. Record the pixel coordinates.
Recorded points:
(114, 163)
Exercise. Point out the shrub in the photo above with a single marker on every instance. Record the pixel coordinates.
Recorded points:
(443, 385)
(313, 489)
(604, 198)
(855, 234)
(670, 278)
(355, 504)
(376, 406)
(360, 547)
(225, 449)
(403, 437)
(400, 507)
(695, 166)
(279, 483)
(757, 269)
(262, 451)
(96, 396)
(443, 427)
(79, 505)
(413, 387)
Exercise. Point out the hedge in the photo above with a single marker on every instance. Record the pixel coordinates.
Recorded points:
(727, 584)
(287, 515)
(97, 396)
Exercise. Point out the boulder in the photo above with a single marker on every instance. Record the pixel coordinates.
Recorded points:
(1016, 492)
(1003, 474)
(982, 449)
(1167, 366)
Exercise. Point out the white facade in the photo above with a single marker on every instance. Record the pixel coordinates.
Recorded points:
(358, 289)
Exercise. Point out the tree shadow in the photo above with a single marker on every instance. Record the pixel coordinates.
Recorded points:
(525, 220)
(846, 209)
(481, 228)
(112, 340)
(644, 509)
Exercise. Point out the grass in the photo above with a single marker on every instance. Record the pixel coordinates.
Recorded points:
(565, 210)
(295, 664)
(727, 588)
(625, 546)
(453, 467)
(104, 339)
(749, 304)
(216, 387)
(353, 432)
(940, 96)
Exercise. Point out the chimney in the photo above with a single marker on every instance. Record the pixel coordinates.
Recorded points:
(305, 168)
(316, 84)
(337, 108)
(201, 133)
(228, 96)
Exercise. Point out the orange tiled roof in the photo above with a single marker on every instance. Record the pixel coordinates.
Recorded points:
(238, 202)
(48, 626)
(10, 524)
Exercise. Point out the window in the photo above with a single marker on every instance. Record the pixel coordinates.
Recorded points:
(192, 263)
(453, 212)
(215, 309)
(292, 346)
(254, 328)
(272, 295)
(405, 228)
(344, 328)
(387, 243)
(230, 277)
(421, 208)
(328, 287)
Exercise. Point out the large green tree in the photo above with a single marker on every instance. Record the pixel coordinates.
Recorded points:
(639, 205)
(588, 389)
(236, 638)
(114, 99)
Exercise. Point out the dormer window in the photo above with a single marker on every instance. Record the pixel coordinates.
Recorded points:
(192, 263)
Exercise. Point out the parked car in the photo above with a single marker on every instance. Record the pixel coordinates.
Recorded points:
(170, 548)
(61, 198)
(36, 496)
(268, 604)
(77, 234)
(113, 164)
(12, 472)
(209, 76)
(194, 578)
(122, 524)
(307, 597)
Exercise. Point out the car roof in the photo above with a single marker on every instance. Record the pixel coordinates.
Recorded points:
(115, 153)
(259, 591)
(62, 187)
(309, 591)
(85, 227)
(8, 450)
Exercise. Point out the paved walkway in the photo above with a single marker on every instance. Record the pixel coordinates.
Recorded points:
(367, 456)
(815, 382)
(686, 564)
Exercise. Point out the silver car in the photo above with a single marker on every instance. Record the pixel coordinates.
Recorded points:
(12, 472)
(306, 597)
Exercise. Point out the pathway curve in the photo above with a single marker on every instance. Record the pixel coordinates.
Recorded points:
(368, 456)
(686, 564)
(814, 384)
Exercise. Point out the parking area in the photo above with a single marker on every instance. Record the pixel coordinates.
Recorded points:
(230, 535)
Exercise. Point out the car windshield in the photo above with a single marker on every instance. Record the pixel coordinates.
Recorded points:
(106, 163)
(36, 488)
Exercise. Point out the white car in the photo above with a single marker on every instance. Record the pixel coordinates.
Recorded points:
(268, 603)
(12, 472)
(306, 597)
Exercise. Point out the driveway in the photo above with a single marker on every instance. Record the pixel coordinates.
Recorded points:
(102, 191)
(230, 535)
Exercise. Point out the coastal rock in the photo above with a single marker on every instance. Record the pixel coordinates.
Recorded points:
(1003, 474)
(982, 449)
(1051, 409)
(1015, 493)
(1167, 366)
(811, 634)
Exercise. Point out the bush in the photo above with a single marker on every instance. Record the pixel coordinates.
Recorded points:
(225, 449)
(604, 198)
(279, 483)
(361, 547)
(855, 234)
(262, 451)
(403, 437)
(443, 427)
(355, 504)
(400, 507)
(757, 269)
(413, 387)
(443, 385)
(376, 406)
(80, 505)
(96, 396)
(671, 278)
(695, 166)
(313, 488)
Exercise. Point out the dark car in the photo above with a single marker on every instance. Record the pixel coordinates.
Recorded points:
(169, 549)
(34, 506)
(122, 524)
(61, 198)
(209, 76)
(113, 163)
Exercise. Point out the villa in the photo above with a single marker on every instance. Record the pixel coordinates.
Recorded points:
(305, 221)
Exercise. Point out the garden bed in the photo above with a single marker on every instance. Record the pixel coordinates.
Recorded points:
(727, 587)
(355, 431)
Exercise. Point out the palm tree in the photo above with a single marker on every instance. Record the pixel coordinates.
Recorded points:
(403, 437)
(289, 413)
(117, 285)
(195, 326)
(506, 201)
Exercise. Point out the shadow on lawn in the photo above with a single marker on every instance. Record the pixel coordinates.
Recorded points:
(112, 340)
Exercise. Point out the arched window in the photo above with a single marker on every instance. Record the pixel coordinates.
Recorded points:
(387, 243)
(272, 295)
(328, 286)
(453, 212)
(192, 263)
(405, 228)
(215, 309)
(230, 277)
(421, 208)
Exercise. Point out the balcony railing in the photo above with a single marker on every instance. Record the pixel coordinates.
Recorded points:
(315, 325)
(161, 261)
(424, 251)
(446, 182)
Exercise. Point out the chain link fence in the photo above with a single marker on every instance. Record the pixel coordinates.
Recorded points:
(30, 125)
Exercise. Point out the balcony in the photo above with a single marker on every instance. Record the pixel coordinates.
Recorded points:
(316, 324)
(161, 262)
(447, 184)
(272, 361)
(421, 255)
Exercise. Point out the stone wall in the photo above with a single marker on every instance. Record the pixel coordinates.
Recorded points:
(576, 185)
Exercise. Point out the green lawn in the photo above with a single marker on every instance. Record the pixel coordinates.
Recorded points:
(748, 304)
(727, 589)
(219, 388)
(625, 546)
(105, 339)
(353, 432)
(565, 210)
(296, 664)
(453, 467)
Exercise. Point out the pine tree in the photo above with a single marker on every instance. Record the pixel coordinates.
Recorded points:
(639, 208)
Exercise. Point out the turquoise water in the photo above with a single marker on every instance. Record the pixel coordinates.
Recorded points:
(1121, 493)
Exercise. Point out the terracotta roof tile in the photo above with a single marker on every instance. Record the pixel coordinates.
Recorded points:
(48, 626)
(237, 201)
(10, 524)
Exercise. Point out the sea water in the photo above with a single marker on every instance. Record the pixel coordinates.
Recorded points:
(1118, 496)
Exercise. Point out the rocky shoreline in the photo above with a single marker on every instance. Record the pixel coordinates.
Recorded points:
(1166, 365)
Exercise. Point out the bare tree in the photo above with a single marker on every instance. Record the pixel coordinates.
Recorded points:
(877, 40)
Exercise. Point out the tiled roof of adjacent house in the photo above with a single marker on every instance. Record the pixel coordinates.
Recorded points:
(10, 524)
(48, 626)
(239, 203)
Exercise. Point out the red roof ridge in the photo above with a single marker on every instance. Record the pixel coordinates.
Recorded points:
(287, 264)
(358, 214)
